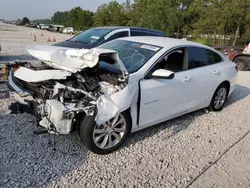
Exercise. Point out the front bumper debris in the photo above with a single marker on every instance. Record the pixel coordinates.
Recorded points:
(16, 86)
(21, 94)
(4, 91)
(55, 117)
(5, 68)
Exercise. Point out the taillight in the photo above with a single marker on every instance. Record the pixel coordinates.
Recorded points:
(236, 68)
(231, 56)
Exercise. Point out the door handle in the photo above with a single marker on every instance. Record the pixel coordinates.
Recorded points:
(186, 79)
(216, 72)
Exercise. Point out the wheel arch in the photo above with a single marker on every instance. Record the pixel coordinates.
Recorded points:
(227, 83)
(244, 58)
(128, 111)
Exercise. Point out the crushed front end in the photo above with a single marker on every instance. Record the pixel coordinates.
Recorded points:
(60, 98)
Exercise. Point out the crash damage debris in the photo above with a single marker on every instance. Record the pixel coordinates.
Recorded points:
(4, 91)
(60, 93)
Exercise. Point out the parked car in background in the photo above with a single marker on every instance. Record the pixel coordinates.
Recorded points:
(122, 86)
(96, 36)
(242, 59)
(32, 25)
(47, 27)
(41, 26)
(68, 30)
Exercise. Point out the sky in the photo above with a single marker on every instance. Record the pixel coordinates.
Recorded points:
(39, 9)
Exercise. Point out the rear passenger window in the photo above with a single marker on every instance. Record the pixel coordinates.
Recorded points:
(118, 35)
(199, 57)
(217, 58)
(153, 34)
(138, 33)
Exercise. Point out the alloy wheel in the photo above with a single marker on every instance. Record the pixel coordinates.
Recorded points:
(109, 134)
(241, 66)
(220, 98)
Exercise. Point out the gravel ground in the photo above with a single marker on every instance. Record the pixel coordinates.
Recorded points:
(171, 154)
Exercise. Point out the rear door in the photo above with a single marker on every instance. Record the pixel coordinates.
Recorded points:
(206, 68)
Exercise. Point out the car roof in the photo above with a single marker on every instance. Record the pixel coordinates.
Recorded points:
(162, 41)
(132, 28)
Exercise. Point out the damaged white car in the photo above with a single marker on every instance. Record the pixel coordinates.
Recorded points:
(122, 86)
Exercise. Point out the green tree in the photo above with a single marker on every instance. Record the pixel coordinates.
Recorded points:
(241, 15)
(178, 18)
(86, 19)
(60, 17)
(42, 21)
(155, 14)
(110, 14)
(221, 18)
(79, 19)
(25, 20)
(102, 16)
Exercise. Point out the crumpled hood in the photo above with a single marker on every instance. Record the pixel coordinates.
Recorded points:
(73, 60)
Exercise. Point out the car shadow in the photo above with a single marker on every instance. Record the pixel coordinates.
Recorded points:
(11, 58)
(240, 92)
(181, 123)
(29, 160)
(174, 126)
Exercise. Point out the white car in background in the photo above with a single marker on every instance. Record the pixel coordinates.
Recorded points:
(123, 86)
(41, 26)
(68, 30)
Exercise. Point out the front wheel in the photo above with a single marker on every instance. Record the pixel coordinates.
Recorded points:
(219, 98)
(105, 138)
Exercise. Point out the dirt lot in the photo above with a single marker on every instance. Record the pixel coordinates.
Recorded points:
(197, 150)
(14, 40)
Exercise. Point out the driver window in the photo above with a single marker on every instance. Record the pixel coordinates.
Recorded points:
(173, 62)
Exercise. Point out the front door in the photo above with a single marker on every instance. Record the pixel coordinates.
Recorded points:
(162, 99)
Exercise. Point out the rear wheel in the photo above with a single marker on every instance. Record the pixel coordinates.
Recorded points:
(219, 98)
(105, 138)
(241, 66)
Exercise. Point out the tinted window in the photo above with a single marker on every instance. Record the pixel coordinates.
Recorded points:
(138, 33)
(198, 57)
(133, 54)
(91, 36)
(153, 34)
(118, 35)
(217, 58)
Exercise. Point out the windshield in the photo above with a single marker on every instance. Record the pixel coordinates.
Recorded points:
(132, 54)
(91, 36)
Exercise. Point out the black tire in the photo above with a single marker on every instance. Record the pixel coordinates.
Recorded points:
(86, 131)
(241, 66)
(212, 106)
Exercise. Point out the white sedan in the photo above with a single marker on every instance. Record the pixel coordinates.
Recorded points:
(122, 86)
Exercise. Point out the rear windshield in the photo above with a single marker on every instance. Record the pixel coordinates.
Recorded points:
(132, 54)
(91, 36)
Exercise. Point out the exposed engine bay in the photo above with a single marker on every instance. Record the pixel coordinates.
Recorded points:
(77, 94)
(64, 97)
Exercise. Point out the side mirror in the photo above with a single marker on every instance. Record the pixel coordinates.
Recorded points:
(162, 73)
